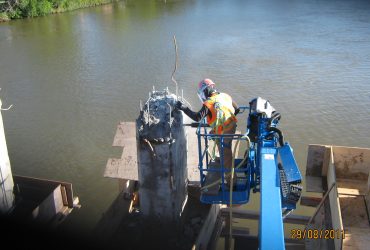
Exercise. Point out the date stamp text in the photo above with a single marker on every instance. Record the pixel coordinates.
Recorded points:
(301, 234)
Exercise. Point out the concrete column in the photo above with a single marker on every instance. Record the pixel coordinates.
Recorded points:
(6, 178)
(161, 158)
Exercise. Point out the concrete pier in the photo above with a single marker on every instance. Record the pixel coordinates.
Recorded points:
(161, 158)
(6, 178)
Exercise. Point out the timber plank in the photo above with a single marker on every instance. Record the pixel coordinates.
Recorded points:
(351, 186)
(122, 168)
(127, 166)
(125, 134)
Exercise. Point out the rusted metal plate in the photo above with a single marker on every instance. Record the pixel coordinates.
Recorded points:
(49, 207)
(367, 202)
(310, 201)
(206, 231)
(353, 210)
(314, 184)
(317, 159)
(352, 163)
(356, 238)
(335, 208)
(236, 232)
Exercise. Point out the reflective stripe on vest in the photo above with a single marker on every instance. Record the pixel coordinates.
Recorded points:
(222, 110)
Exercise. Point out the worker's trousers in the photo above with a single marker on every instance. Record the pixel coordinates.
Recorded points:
(227, 148)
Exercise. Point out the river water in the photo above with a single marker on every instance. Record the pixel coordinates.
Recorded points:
(73, 76)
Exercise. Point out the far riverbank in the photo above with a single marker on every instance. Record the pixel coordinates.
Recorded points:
(10, 10)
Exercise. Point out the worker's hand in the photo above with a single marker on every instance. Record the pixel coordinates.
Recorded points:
(179, 105)
(237, 111)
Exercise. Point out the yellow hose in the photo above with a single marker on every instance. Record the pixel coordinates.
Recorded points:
(231, 193)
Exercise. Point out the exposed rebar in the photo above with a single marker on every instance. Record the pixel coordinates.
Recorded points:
(151, 147)
(7, 108)
(176, 61)
(170, 121)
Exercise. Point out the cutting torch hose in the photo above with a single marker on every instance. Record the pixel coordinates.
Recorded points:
(231, 193)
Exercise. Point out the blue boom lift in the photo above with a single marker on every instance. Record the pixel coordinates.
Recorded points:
(268, 167)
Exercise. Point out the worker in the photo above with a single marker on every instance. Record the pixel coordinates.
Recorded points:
(220, 111)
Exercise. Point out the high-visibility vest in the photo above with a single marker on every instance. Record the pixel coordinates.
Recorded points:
(222, 110)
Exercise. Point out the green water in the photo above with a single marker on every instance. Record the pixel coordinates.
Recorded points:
(73, 76)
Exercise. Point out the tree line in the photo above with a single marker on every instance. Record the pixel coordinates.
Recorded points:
(12, 9)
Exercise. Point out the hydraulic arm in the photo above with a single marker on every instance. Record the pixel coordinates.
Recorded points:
(277, 175)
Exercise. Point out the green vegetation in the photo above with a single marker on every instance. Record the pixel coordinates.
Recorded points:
(12, 9)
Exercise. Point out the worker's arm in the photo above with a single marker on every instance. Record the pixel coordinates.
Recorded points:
(196, 116)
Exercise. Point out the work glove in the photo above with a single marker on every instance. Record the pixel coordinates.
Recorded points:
(237, 111)
(179, 105)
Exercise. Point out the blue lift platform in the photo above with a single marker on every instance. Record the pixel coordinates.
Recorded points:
(268, 166)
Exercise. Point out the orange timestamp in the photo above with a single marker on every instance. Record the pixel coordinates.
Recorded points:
(328, 234)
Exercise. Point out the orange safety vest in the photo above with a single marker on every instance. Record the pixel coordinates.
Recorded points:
(222, 110)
